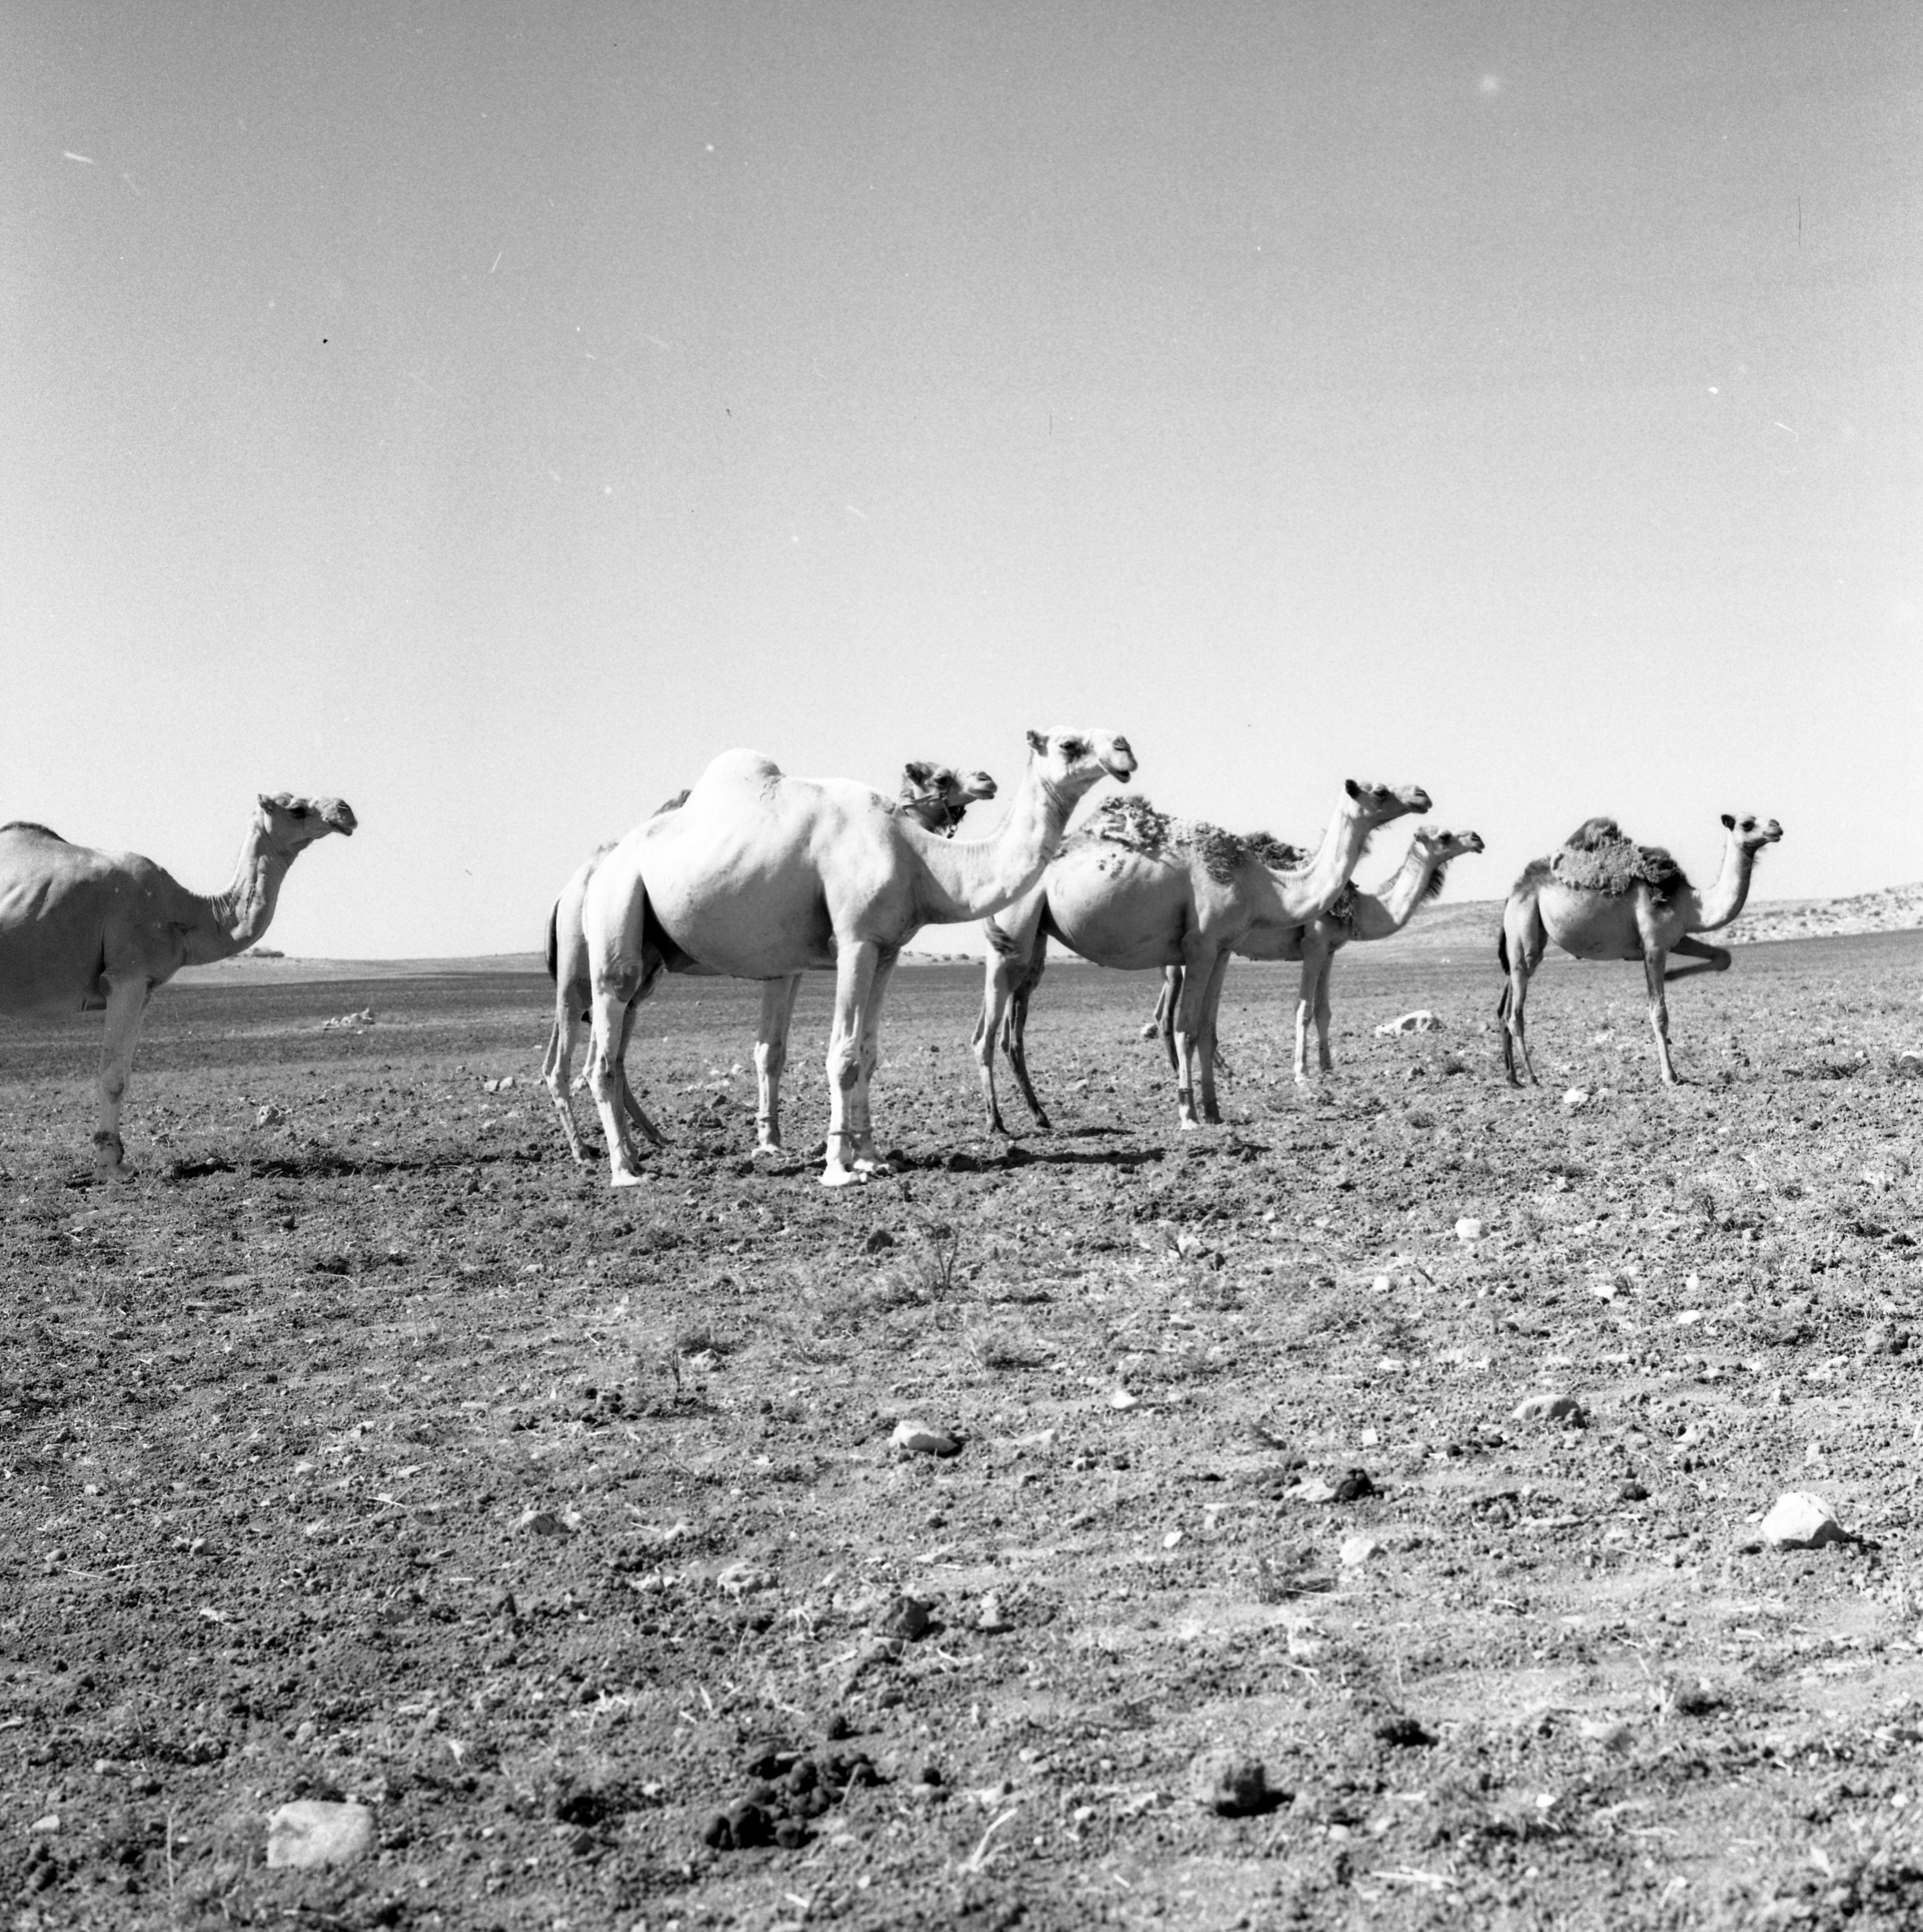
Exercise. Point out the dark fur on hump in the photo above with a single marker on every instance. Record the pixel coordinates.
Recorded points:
(27, 825)
(1599, 857)
(1129, 819)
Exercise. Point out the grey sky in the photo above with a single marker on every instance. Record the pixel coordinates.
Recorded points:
(489, 413)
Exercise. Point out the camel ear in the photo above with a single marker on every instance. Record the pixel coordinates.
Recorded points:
(1038, 741)
(1728, 822)
(917, 771)
(1350, 786)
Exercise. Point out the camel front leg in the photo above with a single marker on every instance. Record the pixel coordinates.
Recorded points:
(847, 1098)
(1710, 959)
(869, 1156)
(1003, 970)
(771, 1058)
(1015, 1038)
(1653, 963)
(126, 1006)
(1305, 1003)
(1205, 1040)
(1324, 1058)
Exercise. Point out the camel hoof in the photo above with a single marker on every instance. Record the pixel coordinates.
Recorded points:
(1149, 1031)
(624, 1177)
(770, 1148)
(1189, 1127)
(842, 1176)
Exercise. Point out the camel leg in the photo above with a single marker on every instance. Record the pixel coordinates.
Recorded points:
(1524, 937)
(631, 1107)
(771, 1057)
(1197, 970)
(847, 1101)
(556, 1065)
(1205, 1055)
(1710, 959)
(1005, 970)
(1324, 1058)
(1653, 963)
(1015, 1040)
(1165, 1013)
(867, 1156)
(126, 1006)
(1305, 1002)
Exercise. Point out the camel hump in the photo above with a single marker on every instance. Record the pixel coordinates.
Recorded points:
(28, 825)
(1600, 857)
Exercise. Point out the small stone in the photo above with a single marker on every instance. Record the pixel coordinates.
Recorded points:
(1229, 1784)
(1610, 1733)
(1563, 1408)
(1799, 1520)
(1357, 1550)
(50, 1822)
(502, 1086)
(1422, 1021)
(1468, 1228)
(268, 1116)
(1353, 1485)
(1877, 1341)
(913, 1437)
(1575, 1096)
(1633, 1491)
(490, 1086)
(990, 1618)
(1910, 1063)
(312, 1832)
(1120, 1399)
(541, 1522)
(878, 1239)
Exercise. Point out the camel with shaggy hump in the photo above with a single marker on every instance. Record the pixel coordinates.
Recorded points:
(1135, 889)
(760, 876)
(936, 797)
(1603, 897)
(88, 932)
(1355, 915)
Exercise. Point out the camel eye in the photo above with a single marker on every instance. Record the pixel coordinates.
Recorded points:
(300, 811)
(1074, 748)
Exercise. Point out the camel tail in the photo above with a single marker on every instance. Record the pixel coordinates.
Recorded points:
(554, 942)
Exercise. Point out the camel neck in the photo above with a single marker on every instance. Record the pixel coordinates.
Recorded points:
(1311, 889)
(970, 878)
(235, 919)
(1399, 896)
(1726, 899)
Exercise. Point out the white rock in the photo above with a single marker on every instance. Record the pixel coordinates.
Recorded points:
(313, 1832)
(1577, 1096)
(913, 1437)
(1799, 1520)
(1357, 1550)
(1468, 1228)
(1421, 1022)
(268, 1116)
(1120, 1399)
(1612, 1733)
(49, 1823)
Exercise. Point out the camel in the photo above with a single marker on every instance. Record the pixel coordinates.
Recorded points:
(760, 876)
(1355, 915)
(935, 797)
(1602, 897)
(81, 930)
(1136, 889)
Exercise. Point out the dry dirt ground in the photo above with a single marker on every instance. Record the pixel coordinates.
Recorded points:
(366, 1448)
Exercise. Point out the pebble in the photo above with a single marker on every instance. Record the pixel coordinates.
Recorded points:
(1121, 1399)
(1799, 1520)
(913, 1437)
(541, 1522)
(1229, 1784)
(906, 1617)
(312, 1832)
(1357, 1550)
(1422, 1021)
(1909, 1063)
(1563, 1408)
(49, 1823)
(1577, 1096)
(1612, 1733)
(269, 1117)
(990, 1618)
(1469, 1229)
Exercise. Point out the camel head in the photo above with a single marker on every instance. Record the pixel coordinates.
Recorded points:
(292, 824)
(1440, 847)
(973, 787)
(1377, 805)
(938, 796)
(1070, 762)
(1751, 833)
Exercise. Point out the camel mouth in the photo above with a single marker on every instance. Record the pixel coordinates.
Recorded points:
(338, 814)
(1415, 800)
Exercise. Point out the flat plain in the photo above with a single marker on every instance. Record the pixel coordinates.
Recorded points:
(366, 1448)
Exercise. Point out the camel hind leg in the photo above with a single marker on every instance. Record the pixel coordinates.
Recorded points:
(771, 1058)
(556, 1070)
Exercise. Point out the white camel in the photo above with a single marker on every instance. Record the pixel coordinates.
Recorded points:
(1355, 915)
(81, 931)
(936, 797)
(760, 876)
(1603, 897)
(1136, 889)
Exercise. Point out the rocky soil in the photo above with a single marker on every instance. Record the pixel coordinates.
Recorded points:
(1350, 1515)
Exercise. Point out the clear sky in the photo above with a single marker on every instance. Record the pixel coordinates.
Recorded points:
(488, 413)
